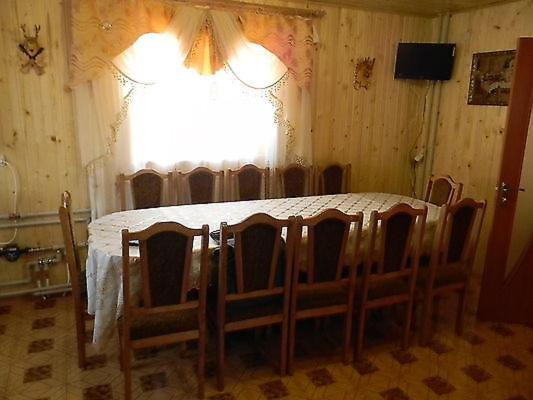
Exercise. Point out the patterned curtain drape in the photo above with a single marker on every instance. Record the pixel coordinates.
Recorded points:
(204, 56)
(103, 29)
(292, 39)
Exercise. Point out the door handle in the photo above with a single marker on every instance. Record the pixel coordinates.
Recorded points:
(505, 189)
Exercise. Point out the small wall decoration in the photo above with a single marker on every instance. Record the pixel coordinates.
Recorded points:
(31, 51)
(490, 79)
(362, 73)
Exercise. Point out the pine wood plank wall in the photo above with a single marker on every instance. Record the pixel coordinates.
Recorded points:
(376, 129)
(470, 138)
(37, 126)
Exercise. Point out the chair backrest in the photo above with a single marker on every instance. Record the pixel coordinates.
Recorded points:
(461, 231)
(200, 185)
(395, 239)
(71, 248)
(335, 179)
(249, 182)
(294, 180)
(166, 251)
(328, 246)
(147, 187)
(442, 189)
(260, 268)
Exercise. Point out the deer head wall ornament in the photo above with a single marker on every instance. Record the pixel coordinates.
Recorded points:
(31, 51)
(362, 73)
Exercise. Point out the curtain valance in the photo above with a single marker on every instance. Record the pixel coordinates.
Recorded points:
(290, 38)
(103, 29)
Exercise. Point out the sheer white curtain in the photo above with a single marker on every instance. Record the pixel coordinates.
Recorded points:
(151, 111)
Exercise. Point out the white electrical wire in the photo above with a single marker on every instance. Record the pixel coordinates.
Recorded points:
(15, 194)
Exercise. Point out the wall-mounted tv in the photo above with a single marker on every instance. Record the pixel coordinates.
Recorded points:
(431, 61)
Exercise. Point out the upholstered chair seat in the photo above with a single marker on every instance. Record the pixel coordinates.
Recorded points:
(322, 298)
(249, 309)
(163, 324)
(444, 276)
(384, 289)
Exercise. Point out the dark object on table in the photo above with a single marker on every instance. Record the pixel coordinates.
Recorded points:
(215, 235)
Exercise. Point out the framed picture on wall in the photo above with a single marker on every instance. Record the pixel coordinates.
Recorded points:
(490, 78)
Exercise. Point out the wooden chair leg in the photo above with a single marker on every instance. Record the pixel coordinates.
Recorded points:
(407, 324)
(201, 364)
(126, 365)
(220, 358)
(120, 351)
(358, 348)
(427, 311)
(317, 325)
(461, 308)
(292, 343)
(283, 353)
(81, 338)
(347, 337)
(436, 308)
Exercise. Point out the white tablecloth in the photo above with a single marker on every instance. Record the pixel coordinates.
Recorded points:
(104, 261)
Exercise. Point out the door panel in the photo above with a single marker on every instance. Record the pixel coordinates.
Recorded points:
(522, 233)
(506, 293)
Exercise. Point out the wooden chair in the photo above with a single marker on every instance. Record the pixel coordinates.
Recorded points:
(452, 257)
(294, 181)
(334, 179)
(169, 312)
(325, 290)
(147, 187)
(200, 185)
(249, 183)
(262, 276)
(442, 189)
(77, 276)
(395, 240)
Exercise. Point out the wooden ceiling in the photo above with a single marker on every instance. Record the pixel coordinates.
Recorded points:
(418, 7)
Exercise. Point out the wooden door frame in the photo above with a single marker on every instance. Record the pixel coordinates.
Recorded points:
(492, 304)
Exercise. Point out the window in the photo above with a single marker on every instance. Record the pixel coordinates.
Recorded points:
(188, 117)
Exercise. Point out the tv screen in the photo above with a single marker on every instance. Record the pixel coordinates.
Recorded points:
(431, 61)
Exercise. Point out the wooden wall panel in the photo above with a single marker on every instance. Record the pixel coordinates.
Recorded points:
(36, 125)
(372, 129)
(469, 138)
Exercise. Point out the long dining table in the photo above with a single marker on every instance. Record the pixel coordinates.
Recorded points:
(104, 259)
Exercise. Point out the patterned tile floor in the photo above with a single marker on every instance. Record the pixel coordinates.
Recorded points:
(492, 361)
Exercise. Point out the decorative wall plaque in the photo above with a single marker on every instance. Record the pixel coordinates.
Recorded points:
(362, 74)
(491, 77)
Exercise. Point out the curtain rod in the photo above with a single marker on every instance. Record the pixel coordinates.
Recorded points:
(240, 5)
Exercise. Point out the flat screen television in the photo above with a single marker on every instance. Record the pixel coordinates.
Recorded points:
(431, 61)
